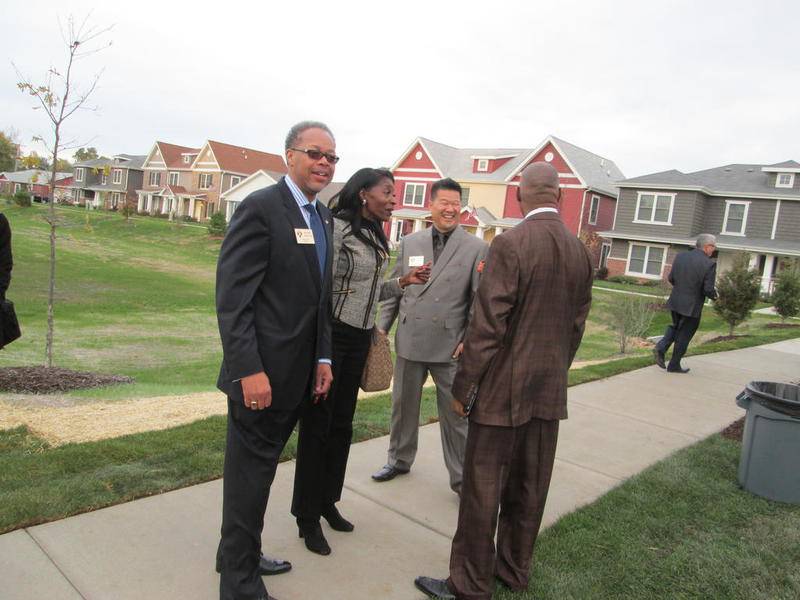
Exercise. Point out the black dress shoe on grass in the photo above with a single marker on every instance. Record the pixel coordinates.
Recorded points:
(678, 370)
(314, 539)
(659, 358)
(434, 588)
(269, 566)
(387, 473)
(336, 520)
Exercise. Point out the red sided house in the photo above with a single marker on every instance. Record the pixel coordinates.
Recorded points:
(490, 178)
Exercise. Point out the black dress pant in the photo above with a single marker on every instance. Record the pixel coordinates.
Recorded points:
(254, 444)
(326, 429)
(681, 333)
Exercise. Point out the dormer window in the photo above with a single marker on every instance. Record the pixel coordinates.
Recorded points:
(784, 180)
(186, 159)
(483, 165)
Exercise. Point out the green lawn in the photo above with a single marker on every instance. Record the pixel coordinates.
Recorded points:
(681, 530)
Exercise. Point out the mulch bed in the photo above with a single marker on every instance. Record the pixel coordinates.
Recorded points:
(724, 338)
(734, 431)
(41, 380)
(782, 325)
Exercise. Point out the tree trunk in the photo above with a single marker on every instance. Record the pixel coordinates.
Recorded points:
(51, 292)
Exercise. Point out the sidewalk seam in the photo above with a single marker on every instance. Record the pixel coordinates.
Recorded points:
(54, 563)
(397, 512)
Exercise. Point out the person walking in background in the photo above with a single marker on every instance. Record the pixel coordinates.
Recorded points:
(273, 308)
(430, 331)
(693, 276)
(360, 261)
(527, 324)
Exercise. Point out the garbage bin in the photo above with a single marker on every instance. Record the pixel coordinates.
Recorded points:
(768, 465)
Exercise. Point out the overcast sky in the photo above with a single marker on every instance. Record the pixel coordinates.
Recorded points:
(653, 86)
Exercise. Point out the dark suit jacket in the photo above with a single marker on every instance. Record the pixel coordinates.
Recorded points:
(692, 276)
(273, 307)
(528, 320)
(6, 261)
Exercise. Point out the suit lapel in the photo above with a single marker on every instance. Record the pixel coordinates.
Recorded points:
(447, 253)
(327, 223)
(298, 222)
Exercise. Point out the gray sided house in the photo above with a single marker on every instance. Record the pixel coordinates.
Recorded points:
(750, 208)
(109, 183)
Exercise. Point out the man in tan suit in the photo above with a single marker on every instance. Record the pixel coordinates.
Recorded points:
(529, 316)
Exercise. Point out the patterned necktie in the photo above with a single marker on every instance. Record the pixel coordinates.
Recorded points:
(319, 235)
(438, 244)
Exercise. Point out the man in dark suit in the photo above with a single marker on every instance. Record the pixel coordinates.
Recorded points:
(273, 307)
(692, 276)
(528, 321)
(6, 260)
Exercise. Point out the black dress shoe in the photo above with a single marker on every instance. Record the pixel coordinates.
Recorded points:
(434, 588)
(336, 520)
(387, 473)
(677, 370)
(268, 566)
(314, 539)
(659, 358)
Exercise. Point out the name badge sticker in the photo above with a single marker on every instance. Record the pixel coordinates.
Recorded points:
(304, 236)
(416, 261)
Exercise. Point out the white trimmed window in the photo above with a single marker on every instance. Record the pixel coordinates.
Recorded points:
(174, 177)
(654, 208)
(79, 174)
(784, 180)
(735, 220)
(483, 165)
(646, 261)
(206, 179)
(594, 208)
(464, 196)
(117, 176)
(414, 194)
(155, 178)
(235, 181)
(104, 179)
(186, 158)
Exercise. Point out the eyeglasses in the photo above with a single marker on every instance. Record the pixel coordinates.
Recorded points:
(317, 154)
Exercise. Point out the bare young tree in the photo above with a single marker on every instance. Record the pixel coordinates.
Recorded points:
(59, 98)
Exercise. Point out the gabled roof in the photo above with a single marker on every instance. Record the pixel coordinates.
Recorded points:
(34, 176)
(733, 179)
(173, 154)
(238, 159)
(593, 170)
(93, 163)
(129, 161)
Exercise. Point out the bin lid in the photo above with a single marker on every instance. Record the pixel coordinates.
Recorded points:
(781, 397)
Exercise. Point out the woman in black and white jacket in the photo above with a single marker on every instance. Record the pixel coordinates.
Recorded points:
(360, 261)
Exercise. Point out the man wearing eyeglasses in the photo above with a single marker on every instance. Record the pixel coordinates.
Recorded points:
(273, 308)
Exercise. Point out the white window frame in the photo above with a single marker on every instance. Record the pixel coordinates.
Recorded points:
(17, 187)
(206, 181)
(728, 204)
(235, 180)
(483, 165)
(186, 158)
(79, 173)
(157, 175)
(465, 196)
(104, 179)
(176, 175)
(116, 176)
(655, 195)
(405, 194)
(778, 183)
(594, 205)
(646, 275)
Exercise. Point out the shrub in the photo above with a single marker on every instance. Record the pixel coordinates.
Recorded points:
(631, 316)
(623, 279)
(786, 297)
(217, 224)
(737, 292)
(601, 273)
(22, 198)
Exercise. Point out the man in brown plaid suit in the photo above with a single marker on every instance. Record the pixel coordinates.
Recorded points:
(529, 316)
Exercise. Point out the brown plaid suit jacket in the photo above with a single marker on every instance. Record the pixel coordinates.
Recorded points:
(529, 315)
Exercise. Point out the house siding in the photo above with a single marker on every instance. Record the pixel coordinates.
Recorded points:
(682, 214)
(760, 216)
(788, 228)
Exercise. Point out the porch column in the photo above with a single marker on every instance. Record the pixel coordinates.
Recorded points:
(393, 230)
(417, 225)
(140, 203)
(191, 207)
(766, 276)
(479, 232)
(753, 261)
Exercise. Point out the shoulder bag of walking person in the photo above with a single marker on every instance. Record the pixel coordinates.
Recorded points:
(9, 327)
(378, 369)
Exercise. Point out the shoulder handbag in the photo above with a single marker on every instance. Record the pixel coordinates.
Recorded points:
(378, 369)
(9, 325)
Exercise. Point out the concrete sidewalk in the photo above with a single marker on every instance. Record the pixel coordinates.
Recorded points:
(163, 547)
